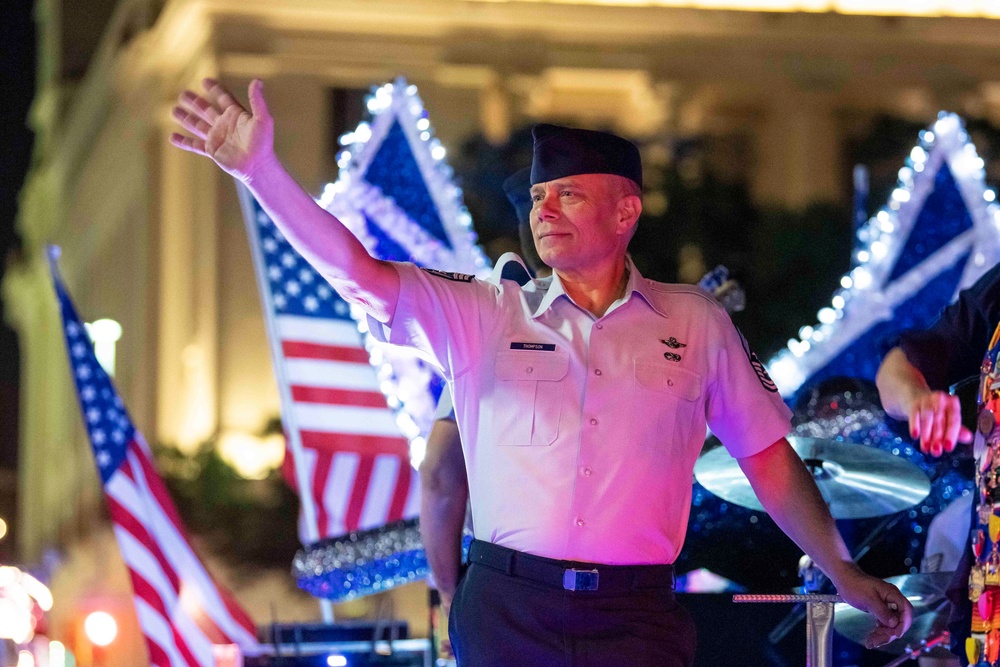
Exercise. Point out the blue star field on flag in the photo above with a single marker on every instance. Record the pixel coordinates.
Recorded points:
(104, 413)
(296, 287)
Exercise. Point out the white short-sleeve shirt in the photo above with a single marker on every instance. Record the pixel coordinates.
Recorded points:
(581, 433)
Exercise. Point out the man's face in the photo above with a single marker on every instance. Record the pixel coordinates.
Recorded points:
(576, 220)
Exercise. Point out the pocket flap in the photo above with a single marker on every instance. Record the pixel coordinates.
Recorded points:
(673, 380)
(531, 365)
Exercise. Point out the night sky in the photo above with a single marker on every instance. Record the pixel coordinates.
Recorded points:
(17, 82)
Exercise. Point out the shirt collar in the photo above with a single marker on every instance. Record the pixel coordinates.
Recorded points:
(636, 283)
(510, 267)
(643, 287)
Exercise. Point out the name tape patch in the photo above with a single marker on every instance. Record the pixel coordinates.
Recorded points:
(544, 347)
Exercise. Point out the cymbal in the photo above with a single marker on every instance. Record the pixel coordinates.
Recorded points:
(857, 482)
(926, 591)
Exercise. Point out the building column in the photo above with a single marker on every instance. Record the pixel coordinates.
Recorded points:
(187, 354)
(495, 104)
(56, 478)
(799, 153)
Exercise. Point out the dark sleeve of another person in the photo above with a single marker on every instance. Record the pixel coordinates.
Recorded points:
(952, 349)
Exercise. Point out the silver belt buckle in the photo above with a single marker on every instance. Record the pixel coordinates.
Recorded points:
(580, 580)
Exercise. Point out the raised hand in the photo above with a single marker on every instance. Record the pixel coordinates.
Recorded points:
(936, 419)
(222, 129)
(242, 143)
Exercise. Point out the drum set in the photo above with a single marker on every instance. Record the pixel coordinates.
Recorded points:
(857, 482)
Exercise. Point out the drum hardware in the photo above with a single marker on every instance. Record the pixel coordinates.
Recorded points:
(923, 648)
(855, 480)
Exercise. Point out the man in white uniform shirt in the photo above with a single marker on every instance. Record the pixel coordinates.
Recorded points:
(582, 401)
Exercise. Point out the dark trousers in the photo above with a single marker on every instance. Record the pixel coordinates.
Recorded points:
(502, 620)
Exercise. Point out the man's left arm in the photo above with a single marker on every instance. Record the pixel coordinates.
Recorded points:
(788, 493)
(746, 412)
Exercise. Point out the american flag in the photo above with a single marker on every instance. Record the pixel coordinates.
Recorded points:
(183, 613)
(354, 459)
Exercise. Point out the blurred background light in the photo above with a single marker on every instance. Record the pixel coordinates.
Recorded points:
(101, 628)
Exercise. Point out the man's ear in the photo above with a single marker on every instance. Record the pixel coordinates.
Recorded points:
(629, 209)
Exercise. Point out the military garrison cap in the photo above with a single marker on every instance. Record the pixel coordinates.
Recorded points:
(566, 151)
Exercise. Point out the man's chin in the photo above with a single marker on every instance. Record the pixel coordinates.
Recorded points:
(555, 260)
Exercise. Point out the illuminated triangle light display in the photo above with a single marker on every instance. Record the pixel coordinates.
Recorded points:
(397, 194)
(937, 234)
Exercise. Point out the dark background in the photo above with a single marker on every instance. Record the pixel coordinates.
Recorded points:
(17, 88)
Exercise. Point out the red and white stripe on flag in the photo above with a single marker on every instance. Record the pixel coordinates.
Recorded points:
(181, 610)
(357, 462)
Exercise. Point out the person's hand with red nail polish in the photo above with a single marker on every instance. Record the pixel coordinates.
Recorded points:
(936, 421)
(935, 417)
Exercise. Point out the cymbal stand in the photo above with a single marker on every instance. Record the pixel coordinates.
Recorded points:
(912, 653)
(819, 626)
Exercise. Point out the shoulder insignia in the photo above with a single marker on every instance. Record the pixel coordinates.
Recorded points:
(758, 366)
(450, 275)
(765, 379)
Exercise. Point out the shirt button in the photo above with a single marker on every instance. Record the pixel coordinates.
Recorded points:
(593, 421)
(529, 369)
(587, 472)
(597, 371)
(670, 383)
(600, 326)
(581, 522)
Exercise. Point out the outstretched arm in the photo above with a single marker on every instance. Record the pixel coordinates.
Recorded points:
(788, 493)
(241, 142)
(934, 416)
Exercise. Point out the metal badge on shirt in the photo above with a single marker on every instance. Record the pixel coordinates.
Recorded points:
(984, 578)
(673, 344)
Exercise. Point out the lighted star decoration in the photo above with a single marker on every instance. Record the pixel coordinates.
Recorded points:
(397, 194)
(937, 234)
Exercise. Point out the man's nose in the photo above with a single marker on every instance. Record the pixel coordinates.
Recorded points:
(548, 207)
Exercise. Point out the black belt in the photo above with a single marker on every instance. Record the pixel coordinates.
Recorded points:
(570, 575)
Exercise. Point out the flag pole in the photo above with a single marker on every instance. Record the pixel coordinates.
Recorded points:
(287, 411)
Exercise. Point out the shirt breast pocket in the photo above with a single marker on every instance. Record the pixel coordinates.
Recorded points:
(665, 404)
(527, 404)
